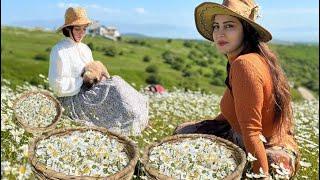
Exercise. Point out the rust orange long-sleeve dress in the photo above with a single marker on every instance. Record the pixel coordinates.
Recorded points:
(249, 106)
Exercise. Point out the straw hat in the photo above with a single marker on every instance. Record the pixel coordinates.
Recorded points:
(75, 16)
(244, 9)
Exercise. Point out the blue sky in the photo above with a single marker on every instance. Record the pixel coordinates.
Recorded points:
(287, 20)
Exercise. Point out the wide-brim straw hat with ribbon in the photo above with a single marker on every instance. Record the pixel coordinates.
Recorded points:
(75, 16)
(243, 9)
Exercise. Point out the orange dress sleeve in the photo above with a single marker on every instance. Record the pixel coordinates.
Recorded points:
(247, 90)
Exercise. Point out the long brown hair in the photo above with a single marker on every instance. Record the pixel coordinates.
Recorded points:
(281, 89)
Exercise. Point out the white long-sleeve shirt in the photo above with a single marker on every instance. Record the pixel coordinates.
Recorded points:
(67, 60)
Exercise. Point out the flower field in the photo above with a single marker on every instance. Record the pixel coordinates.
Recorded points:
(166, 112)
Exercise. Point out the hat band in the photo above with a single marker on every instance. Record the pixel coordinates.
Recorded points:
(69, 21)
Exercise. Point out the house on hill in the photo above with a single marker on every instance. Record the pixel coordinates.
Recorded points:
(100, 30)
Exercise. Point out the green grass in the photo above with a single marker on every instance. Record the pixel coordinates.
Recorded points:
(20, 46)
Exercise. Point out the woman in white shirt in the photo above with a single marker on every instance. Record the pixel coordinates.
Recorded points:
(110, 103)
(69, 56)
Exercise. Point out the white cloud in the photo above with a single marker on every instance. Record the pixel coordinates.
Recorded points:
(291, 11)
(95, 6)
(89, 6)
(140, 10)
(66, 5)
(109, 10)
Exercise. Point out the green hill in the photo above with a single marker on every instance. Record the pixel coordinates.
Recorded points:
(190, 64)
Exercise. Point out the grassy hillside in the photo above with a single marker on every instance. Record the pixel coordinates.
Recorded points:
(301, 64)
(171, 62)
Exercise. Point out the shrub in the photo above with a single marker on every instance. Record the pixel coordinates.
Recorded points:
(142, 43)
(194, 55)
(168, 57)
(202, 63)
(121, 53)
(132, 51)
(176, 62)
(187, 44)
(35, 80)
(211, 61)
(188, 66)
(179, 60)
(48, 49)
(41, 57)
(152, 69)
(153, 79)
(219, 71)
(217, 82)
(189, 84)
(110, 51)
(138, 42)
(177, 66)
(146, 58)
(90, 45)
(186, 73)
(213, 51)
(207, 75)
(169, 40)
(311, 84)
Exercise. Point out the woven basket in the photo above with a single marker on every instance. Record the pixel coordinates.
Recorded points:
(43, 172)
(37, 130)
(239, 155)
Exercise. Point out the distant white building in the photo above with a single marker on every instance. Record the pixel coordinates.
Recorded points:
(99, 30)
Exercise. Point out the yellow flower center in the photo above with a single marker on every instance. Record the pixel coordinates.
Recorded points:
(22, 169)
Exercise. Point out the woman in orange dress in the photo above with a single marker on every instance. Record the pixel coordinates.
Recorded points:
(256, 113)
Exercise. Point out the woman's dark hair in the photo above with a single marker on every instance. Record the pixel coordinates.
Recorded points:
(281, 88)
(65, 31)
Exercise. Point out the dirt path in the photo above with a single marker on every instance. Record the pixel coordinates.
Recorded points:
(305, 93)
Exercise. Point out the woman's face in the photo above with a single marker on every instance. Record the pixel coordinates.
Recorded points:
(228, 34)
(79, 32)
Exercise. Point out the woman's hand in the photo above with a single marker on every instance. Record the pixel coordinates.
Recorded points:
(104, 74)
(94, 72)
(104, 78)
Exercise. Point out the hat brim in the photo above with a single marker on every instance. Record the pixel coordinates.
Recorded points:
(75, 23)
(203, 18)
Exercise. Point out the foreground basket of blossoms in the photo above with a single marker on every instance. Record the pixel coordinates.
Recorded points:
(194, 156)
(37, 111)
(83, 153)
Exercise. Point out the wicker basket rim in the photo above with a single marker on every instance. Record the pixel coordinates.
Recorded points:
(154, 172)
(44, 169)
(32, 129)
